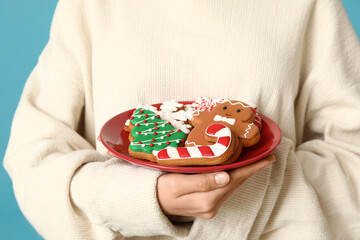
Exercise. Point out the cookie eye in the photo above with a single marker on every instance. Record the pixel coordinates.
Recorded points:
(238, 110)
(224, 108)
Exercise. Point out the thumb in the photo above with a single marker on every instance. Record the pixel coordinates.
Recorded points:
(203, 182)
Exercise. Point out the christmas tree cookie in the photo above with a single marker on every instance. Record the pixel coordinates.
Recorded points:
(149, 134)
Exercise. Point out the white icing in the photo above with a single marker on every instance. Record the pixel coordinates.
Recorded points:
(188, 143)
(219, 118)
(127, 123)
(148, 142)
(180, 115)
(171, 106)
(172, 152)
(251, 104)
(189, 113)
(218, 149)
(247, 130)
(147, 107)
(223, 132)
(194, 152)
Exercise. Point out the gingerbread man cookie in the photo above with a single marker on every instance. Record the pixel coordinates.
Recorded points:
(241, 118)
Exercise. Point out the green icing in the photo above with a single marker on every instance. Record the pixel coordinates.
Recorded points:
(143, 132)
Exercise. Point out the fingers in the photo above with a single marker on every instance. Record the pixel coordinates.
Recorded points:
(239, 174)
(205, 182)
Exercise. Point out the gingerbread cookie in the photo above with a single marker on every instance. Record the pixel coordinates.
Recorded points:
(237, 115)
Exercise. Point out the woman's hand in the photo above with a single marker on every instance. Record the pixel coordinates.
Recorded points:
(201, 195)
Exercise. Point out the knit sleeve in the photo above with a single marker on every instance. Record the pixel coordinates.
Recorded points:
(64, 187)
(328, 116)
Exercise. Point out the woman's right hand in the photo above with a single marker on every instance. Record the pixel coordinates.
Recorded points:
(201, 195)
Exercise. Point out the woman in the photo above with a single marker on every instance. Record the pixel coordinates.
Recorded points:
(297, 61)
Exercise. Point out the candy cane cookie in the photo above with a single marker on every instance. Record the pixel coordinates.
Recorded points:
(224, 149)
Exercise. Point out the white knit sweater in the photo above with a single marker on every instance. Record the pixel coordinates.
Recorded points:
(298, 61)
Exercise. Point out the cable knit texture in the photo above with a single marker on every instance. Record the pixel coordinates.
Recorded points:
(298, 61)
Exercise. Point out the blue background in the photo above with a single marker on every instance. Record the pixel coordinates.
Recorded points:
(24, 31)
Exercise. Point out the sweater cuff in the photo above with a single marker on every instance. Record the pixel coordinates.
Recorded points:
(122, 197)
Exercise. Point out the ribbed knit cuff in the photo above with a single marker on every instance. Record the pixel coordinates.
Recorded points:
(123, 197)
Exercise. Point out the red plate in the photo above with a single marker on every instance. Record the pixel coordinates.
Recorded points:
(117, 142)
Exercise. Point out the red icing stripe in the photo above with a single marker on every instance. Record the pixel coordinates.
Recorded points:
(224, 141)
(213, 129)
(206, 151)
(257, 117)
(183, 152)
(163, 154)
(257, 123)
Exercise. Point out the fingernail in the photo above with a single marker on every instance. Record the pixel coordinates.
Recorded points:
(221, 178)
